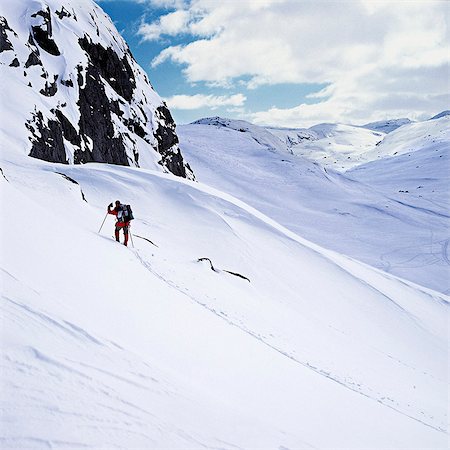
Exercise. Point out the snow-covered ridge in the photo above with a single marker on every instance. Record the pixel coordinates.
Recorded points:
(391, 212)
(386, 126)
(412, 138)
(441, 114)
(73, 93)
(342, 147)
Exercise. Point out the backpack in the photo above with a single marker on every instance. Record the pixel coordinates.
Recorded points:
(125, 214)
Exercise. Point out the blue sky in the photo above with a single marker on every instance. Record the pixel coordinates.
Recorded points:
(291, 62)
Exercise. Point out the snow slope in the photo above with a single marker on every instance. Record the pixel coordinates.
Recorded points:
(343, 147)
(366, 217)
(387, 126)
(145, 347)
(335, 146)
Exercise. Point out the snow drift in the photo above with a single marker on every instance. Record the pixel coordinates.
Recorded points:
(106, 346)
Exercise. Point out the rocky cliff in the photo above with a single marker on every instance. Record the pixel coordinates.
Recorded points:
(72, 86)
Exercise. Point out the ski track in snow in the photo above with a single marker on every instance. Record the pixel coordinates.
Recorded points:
(328, 375)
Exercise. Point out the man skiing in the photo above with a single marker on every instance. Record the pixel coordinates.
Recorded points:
(122, 219)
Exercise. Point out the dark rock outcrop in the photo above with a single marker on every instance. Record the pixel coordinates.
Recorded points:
(50, 89)
(68, 130)
(5, 43)
(115, 71)
(95, 123)
(97, 104)
(43, 33)
(47, 139)
(63, 13)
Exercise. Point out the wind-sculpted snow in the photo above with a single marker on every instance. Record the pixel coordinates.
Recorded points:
(73, 93)
(144, 347)
(391, 213)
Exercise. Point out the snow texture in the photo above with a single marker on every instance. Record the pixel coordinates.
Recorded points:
(391, 212)
(225, 324)
(146, 347)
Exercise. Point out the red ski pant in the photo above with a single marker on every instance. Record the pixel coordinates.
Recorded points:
(124, 227)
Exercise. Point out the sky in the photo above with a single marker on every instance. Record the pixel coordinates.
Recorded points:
(292, 63)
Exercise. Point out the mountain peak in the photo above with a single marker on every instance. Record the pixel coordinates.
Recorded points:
(441, 114)
(79, 94)
(387, 126)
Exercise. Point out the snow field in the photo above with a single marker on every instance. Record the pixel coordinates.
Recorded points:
(390, 213)
(107, 346)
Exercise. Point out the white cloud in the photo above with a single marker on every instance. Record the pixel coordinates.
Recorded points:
(363, 50)
(170, 24)
(201, 101)
(167, 3)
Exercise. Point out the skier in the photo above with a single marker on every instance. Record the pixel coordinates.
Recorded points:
(123, 219)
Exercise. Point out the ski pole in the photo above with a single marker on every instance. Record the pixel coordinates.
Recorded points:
(103, 222)
(131, 237)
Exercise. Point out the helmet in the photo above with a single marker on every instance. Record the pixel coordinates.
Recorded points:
(117, 202)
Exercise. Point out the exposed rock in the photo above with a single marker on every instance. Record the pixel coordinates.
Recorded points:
(68, 130)
(135, 127)
(50, 89)
(34, 58)
(165, 135)
(43, 33)
(167, 145)
(63, 13)
(115, 71)
(95, 122)
(66, 177)
(5, 43)
(173, 161)
(118, 114)
(3, 175)
(47, 139)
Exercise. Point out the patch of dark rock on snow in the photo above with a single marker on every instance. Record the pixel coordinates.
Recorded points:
(3, 175)
(135, 127)
(227, 271)
(63, 13)
(47, 139)
(167, 143)
(95, 123)
(14, 63)
(34, 58)
(69, 131)
(5, 43)
(43, 33)
(74, 182)
(115, 71)
(68, 83)
(50, 89)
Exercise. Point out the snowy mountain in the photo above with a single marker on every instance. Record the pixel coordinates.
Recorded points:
(73, 93)
(336, 146)
(410, 138)
(441, 114)
(397, 222)
(238, 316)
(386, 126)
(146, 347)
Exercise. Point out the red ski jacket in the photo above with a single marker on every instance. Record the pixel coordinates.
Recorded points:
(114, 212)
